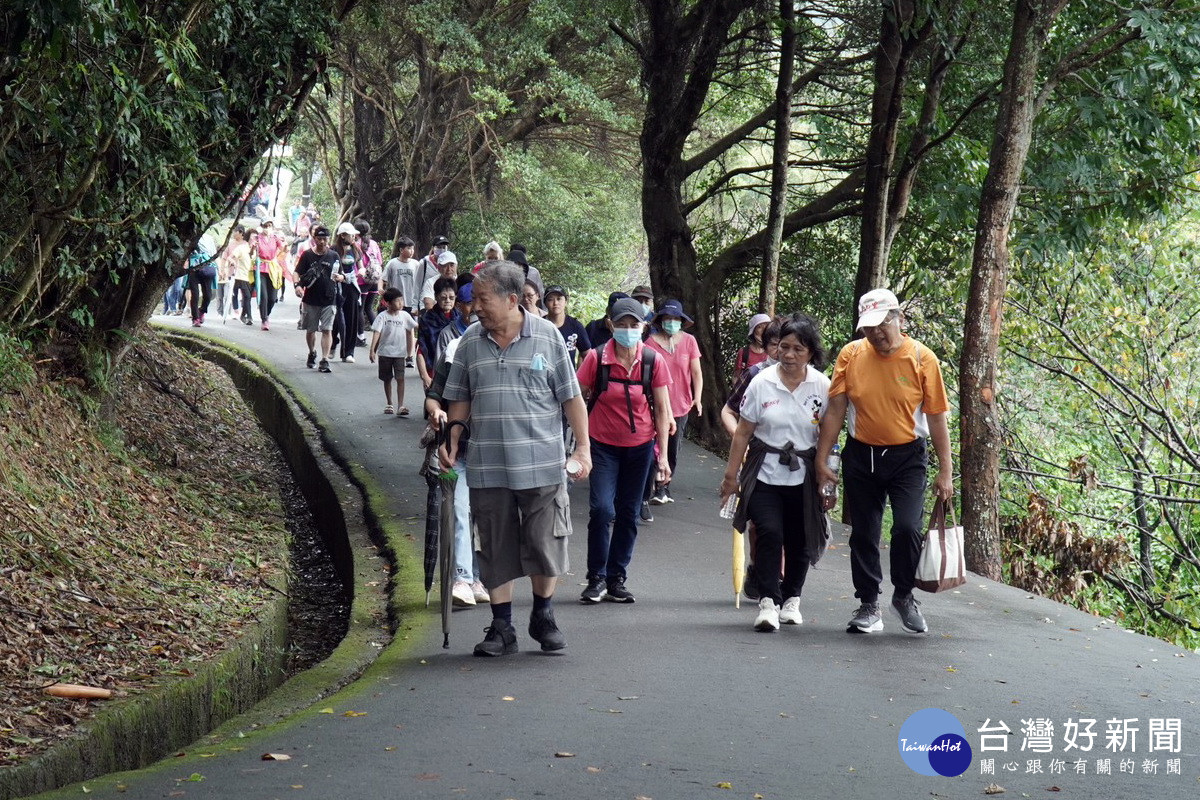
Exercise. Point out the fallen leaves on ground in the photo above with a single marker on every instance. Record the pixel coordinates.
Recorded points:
(138, 539)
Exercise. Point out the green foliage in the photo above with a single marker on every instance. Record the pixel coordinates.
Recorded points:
(16, 371)
(1102, 415)
(127, 129)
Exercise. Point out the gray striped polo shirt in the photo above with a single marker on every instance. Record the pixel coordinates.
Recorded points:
(516, 397)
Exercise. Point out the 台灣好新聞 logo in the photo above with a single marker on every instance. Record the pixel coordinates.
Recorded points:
(934, 742)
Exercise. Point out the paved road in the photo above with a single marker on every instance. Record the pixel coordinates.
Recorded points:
(677, 697)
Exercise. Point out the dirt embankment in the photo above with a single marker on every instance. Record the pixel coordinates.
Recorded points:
(131, 546)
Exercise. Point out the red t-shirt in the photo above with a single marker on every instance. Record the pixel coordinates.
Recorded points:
(609, 421)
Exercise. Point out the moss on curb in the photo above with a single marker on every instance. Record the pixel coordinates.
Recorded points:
(134, 733)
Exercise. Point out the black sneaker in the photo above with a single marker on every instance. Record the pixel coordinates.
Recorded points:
(617, 593)
(659, 498)
(543, 628)
(666, 493)
(910, 614)
(646, 516)
(594, 592)
(324, 366)
(500, 639)
(312, 359)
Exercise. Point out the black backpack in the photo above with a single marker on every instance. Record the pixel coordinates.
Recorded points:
(602, 380)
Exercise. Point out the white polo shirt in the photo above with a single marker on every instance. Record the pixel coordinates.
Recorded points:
(781, 416)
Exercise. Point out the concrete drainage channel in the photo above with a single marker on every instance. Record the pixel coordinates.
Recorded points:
(289, 637)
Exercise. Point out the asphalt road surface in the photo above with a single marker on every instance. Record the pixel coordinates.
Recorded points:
(676, 696)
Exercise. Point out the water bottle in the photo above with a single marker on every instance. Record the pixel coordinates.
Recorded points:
(730, 506)
(834, 460)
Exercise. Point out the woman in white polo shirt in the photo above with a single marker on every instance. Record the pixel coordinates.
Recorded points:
(777, 436)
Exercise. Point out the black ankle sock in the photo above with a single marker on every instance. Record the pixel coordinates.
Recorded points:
(502, 611)
(540, 603)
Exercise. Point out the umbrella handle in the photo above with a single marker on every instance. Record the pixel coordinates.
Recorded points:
(444, 434)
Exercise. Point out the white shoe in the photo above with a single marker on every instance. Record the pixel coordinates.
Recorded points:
(480, 593)
(349, 359)
(768, 616)
(462, 594)
(790, 614)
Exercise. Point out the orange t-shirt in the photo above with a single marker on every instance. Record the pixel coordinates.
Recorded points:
(889, 396)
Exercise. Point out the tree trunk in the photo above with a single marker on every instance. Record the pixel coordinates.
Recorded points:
(979, 424)
(897, 43)
(779, 162)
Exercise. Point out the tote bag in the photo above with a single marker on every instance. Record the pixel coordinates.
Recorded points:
(942, 565)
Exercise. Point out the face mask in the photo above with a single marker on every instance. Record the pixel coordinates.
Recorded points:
(647, 307)
(672, 326)
(627, 337)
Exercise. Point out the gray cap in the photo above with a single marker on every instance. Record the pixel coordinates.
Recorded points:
(627, 307)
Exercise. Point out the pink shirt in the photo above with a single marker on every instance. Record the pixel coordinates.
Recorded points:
(609, 421)
(686, 348)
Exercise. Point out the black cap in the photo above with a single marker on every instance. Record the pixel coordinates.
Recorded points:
(320, 230)
(441, 240)
(556, 290)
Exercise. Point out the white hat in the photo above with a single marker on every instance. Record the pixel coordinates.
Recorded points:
(347, 227)
(447, 257)
(874, 306)
(755, 321)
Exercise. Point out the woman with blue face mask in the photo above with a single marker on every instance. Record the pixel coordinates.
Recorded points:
(629, 417)
(680, 350)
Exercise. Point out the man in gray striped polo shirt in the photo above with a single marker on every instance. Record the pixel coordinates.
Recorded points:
(512, 380)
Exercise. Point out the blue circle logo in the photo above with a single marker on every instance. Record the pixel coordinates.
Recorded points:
(934, 742)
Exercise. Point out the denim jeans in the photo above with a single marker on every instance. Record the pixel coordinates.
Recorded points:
(617, 479)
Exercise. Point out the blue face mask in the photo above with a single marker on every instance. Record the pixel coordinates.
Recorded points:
(672, 326)
(627, 337)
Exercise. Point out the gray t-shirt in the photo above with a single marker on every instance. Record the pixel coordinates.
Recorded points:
(392, 329)
(402, 275)
(516, 397)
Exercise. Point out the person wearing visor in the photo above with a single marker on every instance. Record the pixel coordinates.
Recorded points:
(892, 386)
(629, 411)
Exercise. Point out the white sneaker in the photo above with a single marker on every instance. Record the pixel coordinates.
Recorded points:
(480, 593)
(349, 359)
(768, 616)
(462, 594)
(790, 614)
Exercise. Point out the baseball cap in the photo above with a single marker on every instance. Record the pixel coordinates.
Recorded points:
(347, 227)
(447, 258)
(642, 291)
(466, 293)
(626, 307)
(441, 241)
(319, 231)
(874, 306)
(555, 290)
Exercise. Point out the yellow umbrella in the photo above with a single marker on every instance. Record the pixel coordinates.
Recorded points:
(739, 567)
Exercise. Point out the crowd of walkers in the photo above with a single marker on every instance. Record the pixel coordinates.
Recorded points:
(548, 400)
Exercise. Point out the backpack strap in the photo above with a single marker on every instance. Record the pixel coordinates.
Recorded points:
(647, 379)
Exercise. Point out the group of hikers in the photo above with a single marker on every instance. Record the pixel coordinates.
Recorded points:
(547, 400)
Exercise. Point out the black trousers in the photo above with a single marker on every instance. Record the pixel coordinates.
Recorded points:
(202, 288)
(267, 296)
(874, 476)
(778, 516)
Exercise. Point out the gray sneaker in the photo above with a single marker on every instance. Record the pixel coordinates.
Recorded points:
(866, 619)
(909, 611)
